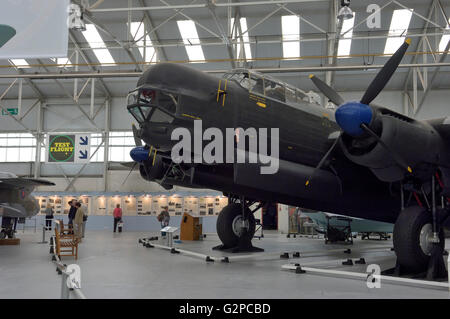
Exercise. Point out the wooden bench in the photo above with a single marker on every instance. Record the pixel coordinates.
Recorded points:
(65, 230)
(65, 244)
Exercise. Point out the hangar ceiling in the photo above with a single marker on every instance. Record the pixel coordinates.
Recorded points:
(318, 40)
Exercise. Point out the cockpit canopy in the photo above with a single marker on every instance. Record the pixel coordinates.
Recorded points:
(146, 104)
(268, 86)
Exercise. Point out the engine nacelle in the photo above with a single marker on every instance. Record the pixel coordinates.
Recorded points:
(417, 143)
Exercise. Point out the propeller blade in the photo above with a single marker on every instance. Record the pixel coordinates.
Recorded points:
(397, 158)
(129, 173)
(329, 92)
(322, 161)
(385, 74)
(137, 139)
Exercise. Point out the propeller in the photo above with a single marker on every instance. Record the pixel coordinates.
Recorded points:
(137, 139)
(354, 118)
(138, 154)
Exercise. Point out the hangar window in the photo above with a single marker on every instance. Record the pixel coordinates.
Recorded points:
(19, 63)
(191, 40)
(96, 140)
(62, 62)
(245, 38)
(345, 43)
(445, 38)
(290, 27)
(120, 145)
(17, 147)
(98, 45)
(398, 29)
(137, 30)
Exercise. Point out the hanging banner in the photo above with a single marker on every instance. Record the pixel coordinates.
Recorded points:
(33, 29)
(68, 148)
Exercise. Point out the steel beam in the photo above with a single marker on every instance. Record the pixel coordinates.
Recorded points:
(135, 74)
(198, 6)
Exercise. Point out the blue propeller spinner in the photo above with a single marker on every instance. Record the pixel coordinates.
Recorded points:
(351, 115)
(140, 154)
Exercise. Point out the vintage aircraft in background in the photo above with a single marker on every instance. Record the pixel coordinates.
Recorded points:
(16, 202)
(338, 228)
(361, 160)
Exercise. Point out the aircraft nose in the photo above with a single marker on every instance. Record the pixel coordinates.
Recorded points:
(139, 154)
(351, 115)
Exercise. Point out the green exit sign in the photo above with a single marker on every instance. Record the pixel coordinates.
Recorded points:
(12, 111)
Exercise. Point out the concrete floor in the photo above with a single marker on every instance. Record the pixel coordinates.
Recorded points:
(116, 266)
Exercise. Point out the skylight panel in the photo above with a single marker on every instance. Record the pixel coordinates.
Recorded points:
(190, 37)
(19, 63)
(245, 38)
(148, 53)
(345, 43)
(62, 62)
(399, 26)
(97, 44)
(290, 28)
(445, 38)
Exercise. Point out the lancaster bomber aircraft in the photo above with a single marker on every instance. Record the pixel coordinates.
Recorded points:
(362, 160)
(16, 202)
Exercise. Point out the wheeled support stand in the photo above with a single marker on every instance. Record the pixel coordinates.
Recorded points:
(418, 238)
(230, 227)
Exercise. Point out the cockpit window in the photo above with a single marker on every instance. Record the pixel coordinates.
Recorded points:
(268, 86)
(274, 90)
(152, 105)
(160, 117)
(257, 84)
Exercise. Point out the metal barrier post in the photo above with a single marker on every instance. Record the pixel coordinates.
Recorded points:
(64, 288)
(43, 236)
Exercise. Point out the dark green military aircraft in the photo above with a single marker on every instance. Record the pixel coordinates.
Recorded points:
(361, 160)
(16, 201)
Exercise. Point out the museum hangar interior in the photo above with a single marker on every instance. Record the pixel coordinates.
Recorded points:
(357, 184)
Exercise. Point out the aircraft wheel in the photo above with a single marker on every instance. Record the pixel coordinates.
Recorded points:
(412, 232)
(230, 224)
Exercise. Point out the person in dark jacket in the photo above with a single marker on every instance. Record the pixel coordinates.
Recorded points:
(72, 212)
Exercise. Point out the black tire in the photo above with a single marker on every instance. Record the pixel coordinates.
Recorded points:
(408, 226)
(224, 225)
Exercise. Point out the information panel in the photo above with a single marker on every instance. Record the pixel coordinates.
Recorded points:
(68, 148)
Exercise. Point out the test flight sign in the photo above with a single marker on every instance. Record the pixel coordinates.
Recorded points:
(68, 148)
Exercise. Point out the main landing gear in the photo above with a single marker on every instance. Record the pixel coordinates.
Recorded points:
(236, 226)
(8, 227)
(418, 235)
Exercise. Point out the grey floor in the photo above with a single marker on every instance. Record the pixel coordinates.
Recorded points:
(116, 266)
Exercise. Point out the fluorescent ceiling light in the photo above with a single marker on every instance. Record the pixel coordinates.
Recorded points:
(398, 29)
(345, 43)
(19, 63)
(98, 45)
(245, 38)
(190, 37)
(290, 28)
(445, 38)
(148, 53)
(62, 62)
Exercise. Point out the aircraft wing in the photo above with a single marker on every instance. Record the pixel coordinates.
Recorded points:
(23, 182)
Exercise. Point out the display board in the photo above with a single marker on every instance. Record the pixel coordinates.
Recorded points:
(143, 205)
(68, 148)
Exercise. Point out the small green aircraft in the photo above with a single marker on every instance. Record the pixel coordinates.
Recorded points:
(6, 34)
(16, 201)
